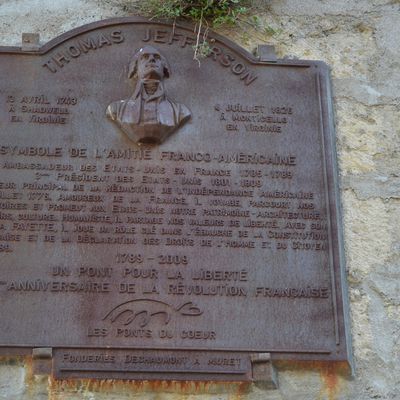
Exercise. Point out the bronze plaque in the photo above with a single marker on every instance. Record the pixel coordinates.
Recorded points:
(154, 207)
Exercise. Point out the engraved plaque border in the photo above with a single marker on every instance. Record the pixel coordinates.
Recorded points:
(336, 252)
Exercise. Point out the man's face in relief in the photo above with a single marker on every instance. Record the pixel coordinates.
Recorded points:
(150, 65)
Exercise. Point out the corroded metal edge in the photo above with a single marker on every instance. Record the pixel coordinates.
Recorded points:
(45, 48)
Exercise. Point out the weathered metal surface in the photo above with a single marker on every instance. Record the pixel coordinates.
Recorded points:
(30, 42)
(161, 364)
(266, 53)
(263, 372)
(189, 214)
(42, 358)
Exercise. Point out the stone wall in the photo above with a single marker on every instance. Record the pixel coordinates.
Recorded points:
(360, 40)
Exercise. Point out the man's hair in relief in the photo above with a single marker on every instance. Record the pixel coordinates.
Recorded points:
(133, 65)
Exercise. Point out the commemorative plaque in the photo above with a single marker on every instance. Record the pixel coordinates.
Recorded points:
(161, 219)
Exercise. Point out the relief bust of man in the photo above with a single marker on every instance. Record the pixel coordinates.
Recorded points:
(149, 116)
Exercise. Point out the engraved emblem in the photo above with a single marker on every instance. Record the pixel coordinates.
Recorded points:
(143, 310)
(149, 116)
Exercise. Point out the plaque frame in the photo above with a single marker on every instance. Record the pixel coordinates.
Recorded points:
(336, 248)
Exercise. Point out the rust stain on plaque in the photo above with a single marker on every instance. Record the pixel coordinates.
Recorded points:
(163, 221)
